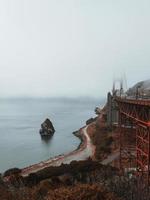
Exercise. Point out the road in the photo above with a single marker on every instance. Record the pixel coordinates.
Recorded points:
(111, 158)
(85, 151)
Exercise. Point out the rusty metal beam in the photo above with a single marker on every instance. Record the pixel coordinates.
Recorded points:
(138, 111)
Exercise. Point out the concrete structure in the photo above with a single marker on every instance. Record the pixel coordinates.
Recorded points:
(112, 110)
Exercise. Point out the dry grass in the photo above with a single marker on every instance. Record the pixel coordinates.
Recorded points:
(81, 192)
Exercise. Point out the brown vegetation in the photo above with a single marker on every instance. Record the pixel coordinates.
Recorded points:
(79, 171)
(101, 138)
(81, 192)
(61, 181)
(79, 180)
(5, 194)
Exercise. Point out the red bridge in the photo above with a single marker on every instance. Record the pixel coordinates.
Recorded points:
(135, 113)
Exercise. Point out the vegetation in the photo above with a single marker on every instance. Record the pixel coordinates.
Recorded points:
(101, 138)
(81, 192)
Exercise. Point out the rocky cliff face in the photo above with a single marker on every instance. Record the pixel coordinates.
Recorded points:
(47, 128)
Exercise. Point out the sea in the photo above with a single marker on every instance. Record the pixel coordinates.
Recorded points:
(20, 120)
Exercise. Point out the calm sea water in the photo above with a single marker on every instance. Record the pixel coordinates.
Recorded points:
(20, 119)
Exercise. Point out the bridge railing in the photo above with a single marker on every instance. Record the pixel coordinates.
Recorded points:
(145, 102)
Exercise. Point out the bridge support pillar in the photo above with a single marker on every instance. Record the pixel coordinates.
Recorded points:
(127, 135)
(138, 113)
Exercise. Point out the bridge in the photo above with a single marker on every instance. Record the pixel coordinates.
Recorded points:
(134, 113)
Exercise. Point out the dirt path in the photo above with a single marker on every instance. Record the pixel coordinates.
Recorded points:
(111, 158)
(84, 152)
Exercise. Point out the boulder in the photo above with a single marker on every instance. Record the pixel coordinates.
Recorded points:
(47, 128)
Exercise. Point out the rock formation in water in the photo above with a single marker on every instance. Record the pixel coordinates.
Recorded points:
(47, 128)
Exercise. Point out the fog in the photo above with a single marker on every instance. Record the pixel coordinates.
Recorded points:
(72, 47)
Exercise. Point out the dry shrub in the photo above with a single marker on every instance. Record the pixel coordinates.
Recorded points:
(5, 194)
(81, 192)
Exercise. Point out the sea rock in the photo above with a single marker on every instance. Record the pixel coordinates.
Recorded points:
(47, 128)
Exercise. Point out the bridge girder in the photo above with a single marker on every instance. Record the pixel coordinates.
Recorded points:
(137, 112)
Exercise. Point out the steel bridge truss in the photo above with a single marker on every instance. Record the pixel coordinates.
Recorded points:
(136, 114)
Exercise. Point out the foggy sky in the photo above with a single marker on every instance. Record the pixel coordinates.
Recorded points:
(72, 47)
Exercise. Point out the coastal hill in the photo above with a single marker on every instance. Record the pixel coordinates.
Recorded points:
(143, 88)
(79, 180)
(95, 178)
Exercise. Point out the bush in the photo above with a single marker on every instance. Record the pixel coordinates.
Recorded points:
(12, 171)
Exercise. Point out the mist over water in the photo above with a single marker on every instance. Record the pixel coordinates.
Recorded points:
(20, 120)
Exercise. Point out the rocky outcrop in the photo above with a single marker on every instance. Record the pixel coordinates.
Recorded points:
(98, 111)
(91, 120)
(47, 128)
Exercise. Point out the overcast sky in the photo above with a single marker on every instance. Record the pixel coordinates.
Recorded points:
(72, 47)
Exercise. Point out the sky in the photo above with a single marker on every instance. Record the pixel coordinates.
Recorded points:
(72, 48)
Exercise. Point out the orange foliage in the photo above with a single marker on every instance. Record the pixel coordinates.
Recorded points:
(81, 192)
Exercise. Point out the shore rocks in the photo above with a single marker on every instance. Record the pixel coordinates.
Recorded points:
(47, 128)
(98, 111)
(89, 121)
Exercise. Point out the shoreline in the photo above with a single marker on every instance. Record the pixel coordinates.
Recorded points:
(84, 150)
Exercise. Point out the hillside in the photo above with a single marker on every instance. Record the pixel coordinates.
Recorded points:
(142, 87)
